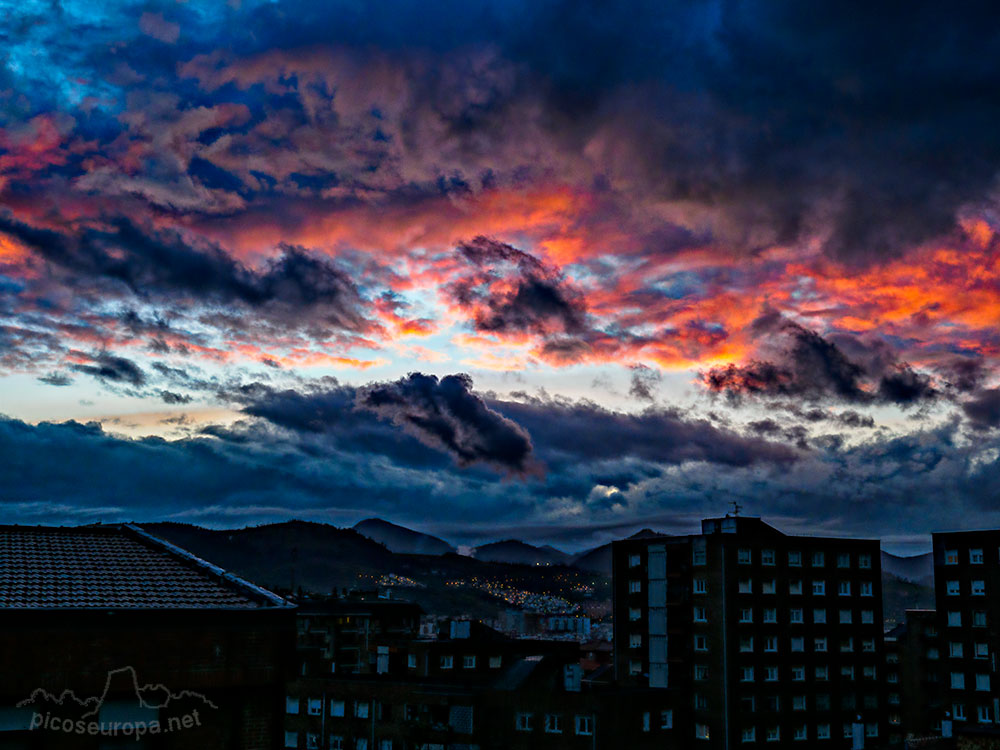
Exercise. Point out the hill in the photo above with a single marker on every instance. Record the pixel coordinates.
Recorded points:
(514, 552)
(598, 560)
(402, 540)
(917, 569)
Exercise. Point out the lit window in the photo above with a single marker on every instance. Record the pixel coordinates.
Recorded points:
(336, 708)
(553, 723)
(795, 615)
(976, 556)
(701, 731)
(291, 739)
(314, 706)
(666, 719)
(291, 705)
(523, 723)
(795, 559)
(411, 661)
(744, 556)
(951, 557)
(952, 588)
(979, 588)
(361, 709)
(767, 557)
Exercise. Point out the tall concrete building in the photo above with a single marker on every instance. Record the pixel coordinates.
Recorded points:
(755, 636)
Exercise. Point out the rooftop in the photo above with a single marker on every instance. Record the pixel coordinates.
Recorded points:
(113, 567)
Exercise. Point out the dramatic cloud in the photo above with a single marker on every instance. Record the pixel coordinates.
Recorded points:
(109, 367)
(983, 410)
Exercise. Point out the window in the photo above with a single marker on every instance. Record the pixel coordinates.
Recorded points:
(698, 552)
(634, 561)
(795, 559)
(865, 561)
(867, 616)
(844, 560)
(744, 556)
(955, 620)
(773, 734)
(795, 587)
(822, 731)
(447, 661)
(746, 674)
(700, 672)
(866, 588)
(635, 587)
(847, 645)
(291, 739)
(666, 719)
(868, 672)
(822, 673)
(770, 674)
(768, 587)
(700, 614)
(585, 725)
(469, 661)
(635, 667)
(983, 715)
(361, 709)
(798, 674)
(767, 557)
(847, 672)
(336, 708)
(700, 643)
(958, 711)
(932, 654)
(746, 586)
(819, 588)
(982, 682)
(982, 651)
(823, 702)
(845, 617)
(871, 729)
(701, 731)
(770, 615)
(634, 613)
(553, 723)
(700, 586)
(979, 588)
(844, 588)
(700, 702)
(819, 645)
(799, 703)
(800, 733)
(748, 704)
(523, 723)
(955, 649)
(746, 644)
(868, 645)
(411, 661)
(336, 742)
(958, 681)
(749, 735)
(361, 744)
(773, 703)
(819, 616)
(771, 643)
(635, 640)
(951, 557)
(976, 556)
(314, 706)
(795, 615)
(818, 560)
(746, 614)
(798, 644)
(952, 588)
(978, 619)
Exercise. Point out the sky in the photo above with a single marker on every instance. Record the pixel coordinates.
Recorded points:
(549, 270)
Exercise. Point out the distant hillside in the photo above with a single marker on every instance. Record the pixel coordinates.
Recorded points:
(519, 553)
(401, 539)
(918, 568)
(899, 595)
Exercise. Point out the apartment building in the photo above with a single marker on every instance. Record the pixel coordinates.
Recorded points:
(754, 635)
(913, 677)
(967, 594)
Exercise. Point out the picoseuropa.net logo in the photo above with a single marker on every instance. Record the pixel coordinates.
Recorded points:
(124, 709)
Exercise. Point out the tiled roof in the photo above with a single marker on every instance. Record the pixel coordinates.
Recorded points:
(112, 567)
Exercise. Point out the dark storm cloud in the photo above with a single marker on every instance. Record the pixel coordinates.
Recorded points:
(447, 415)
(169, 397)
(163, 264)
(106, 367)
(983, 409)
(801, 363)
(56, 378)
(513, 291)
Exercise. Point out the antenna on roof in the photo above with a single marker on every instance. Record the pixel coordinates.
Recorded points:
(737, 507)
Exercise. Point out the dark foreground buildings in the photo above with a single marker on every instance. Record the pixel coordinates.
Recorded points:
(110, 638)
